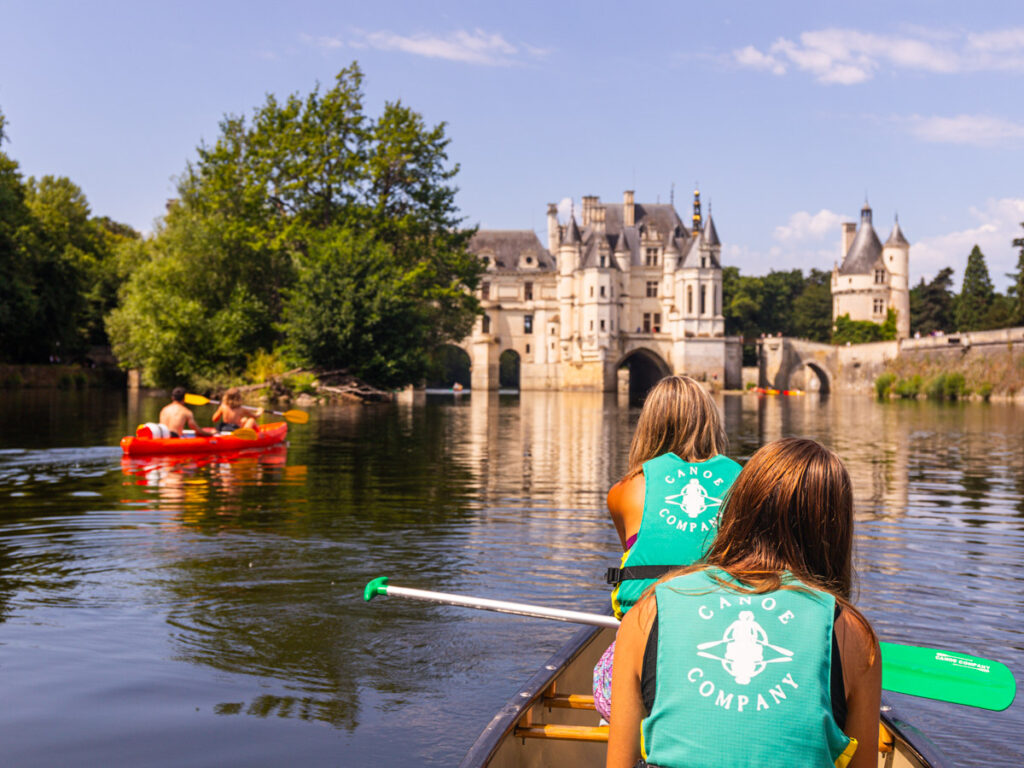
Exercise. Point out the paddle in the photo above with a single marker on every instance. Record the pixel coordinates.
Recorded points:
(928, 673)
(295, 416)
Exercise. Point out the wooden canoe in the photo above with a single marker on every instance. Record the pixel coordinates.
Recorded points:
(551, 720)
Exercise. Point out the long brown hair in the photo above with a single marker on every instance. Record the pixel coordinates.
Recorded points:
(790, 509)
(678, 416)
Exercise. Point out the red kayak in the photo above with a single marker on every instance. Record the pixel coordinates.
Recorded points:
(266, 434)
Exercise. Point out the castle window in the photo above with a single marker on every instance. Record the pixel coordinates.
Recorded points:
(611, 325)
(657, 322)
(879, 306)
(527, 349)
(602, 290)
(602, 325)
(689, 299)
(604, 259)
(486, 327)
(527, 323)
(591, 325)
(552, 330)
(528, 291)
(703, 299)
(591, 290)
(529, 259)
(552, 346)
(485, 290)
(647, 322)
(879, 275)
(651, 257)
(703, 262)
(652, 289)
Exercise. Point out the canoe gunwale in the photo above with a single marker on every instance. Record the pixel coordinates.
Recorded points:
(504, 722)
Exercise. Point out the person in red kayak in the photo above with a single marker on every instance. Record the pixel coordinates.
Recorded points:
(177, 418)
(233, 415)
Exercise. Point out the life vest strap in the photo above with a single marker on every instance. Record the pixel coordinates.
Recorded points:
(634, 572)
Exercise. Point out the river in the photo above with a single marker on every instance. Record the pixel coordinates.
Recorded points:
(208, 612)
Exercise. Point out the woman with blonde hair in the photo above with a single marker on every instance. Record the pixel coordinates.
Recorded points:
(233, 414)
(667, 506)
(755, 656)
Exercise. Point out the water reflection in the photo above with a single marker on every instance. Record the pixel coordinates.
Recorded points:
(244, 571)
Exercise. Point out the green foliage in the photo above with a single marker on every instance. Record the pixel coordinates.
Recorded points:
(302, 383)
(932, 304)
(976, 294)
(936, 387)
(863, 331)
(947, 386)
(883, 384)
(812, 308)
(316, 230)
(264, 365)
(985, 390)
(908, 388)
(1016, 291)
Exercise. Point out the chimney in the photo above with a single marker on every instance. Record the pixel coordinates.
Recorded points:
(589, 203)
(849, 232)
(628, 211)
(554, 234)
(597, 217)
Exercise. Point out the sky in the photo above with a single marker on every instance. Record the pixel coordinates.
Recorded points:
(787, 115)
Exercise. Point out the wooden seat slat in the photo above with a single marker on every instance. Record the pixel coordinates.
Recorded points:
(570, 732)
(569, 701)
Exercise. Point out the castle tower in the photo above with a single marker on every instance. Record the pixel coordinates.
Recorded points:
(896, 257)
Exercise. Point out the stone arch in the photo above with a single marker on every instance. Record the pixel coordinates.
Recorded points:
(808, 376)
(452, 365)
(644, 369)
(509, 366)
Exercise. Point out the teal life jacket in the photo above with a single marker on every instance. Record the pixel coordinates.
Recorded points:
(682, 505)
(742, 680)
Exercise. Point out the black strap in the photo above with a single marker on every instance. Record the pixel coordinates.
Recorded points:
(631, 573)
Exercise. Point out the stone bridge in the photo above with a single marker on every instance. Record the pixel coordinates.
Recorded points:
(787, 363)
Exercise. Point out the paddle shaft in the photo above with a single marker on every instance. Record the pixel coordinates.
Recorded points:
(294, 416)
(925, 672)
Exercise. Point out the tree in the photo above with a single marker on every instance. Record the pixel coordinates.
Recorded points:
(932, 304)
(812, 308)
(17, 298)
(976, 294)
(1016, 291)
(276, 211)
(849, 331)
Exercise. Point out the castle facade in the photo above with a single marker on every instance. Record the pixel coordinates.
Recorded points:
(627, 294)
(873, 278)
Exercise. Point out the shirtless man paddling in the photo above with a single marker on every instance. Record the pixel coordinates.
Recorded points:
(177, 418)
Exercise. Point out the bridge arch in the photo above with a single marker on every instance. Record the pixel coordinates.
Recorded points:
(644, 369)
(508, 370)
(452, 364)
(810, 377)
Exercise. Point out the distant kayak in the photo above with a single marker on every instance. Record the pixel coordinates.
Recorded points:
(266, 434)
(770, 391)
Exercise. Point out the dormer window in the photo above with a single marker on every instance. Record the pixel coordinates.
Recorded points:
(604, 260)
(651, 257)
(703, 262)
(529, 259)
(879, 276)
(485, 290)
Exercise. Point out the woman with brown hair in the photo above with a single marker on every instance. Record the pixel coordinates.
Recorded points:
(755, 656)
(667, 506)
(233, 414)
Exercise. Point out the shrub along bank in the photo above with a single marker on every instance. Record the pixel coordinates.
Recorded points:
(997, 373)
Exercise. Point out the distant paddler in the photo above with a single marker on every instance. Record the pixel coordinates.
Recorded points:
(175, 418)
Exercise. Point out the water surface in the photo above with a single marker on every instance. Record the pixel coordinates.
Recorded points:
(206, 611)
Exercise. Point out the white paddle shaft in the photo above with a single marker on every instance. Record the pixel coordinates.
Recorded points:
(503, 606)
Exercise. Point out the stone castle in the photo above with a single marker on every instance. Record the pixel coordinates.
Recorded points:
(627, 294)
(872, 278)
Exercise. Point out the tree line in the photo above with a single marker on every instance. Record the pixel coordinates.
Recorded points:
(311, 234)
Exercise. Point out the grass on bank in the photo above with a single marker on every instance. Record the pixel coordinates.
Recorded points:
(938, 377)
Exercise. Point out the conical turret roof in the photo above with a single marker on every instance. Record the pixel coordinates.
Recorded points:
(896, 238)
(572, 233)
(710, 233)
(865, 250)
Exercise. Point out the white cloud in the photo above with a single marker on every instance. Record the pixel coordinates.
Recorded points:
(977, 130)
(993, 229)
(804, 226)
(849, 56)
(470, 47)
(565, 209)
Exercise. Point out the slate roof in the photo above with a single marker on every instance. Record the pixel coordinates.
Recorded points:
(865, 250)
(505, 246)
(897, 238)
(710, 233)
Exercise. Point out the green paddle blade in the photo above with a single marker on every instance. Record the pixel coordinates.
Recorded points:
(947, 676)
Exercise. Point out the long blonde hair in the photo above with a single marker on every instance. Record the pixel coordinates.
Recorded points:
(678, 416)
